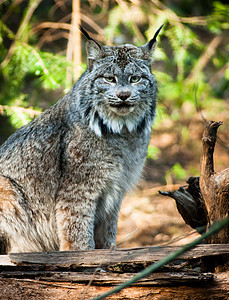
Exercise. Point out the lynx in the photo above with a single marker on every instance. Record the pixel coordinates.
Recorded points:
(63, 176)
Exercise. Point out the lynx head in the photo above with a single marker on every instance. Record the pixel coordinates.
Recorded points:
(118, 88)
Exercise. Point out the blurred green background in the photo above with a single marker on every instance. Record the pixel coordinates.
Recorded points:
(42, 55)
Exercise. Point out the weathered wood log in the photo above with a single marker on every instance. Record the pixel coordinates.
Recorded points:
(42, 290)
(65, 275)
(134, 259)
(118, 261)
(109, 278)
(214, 186)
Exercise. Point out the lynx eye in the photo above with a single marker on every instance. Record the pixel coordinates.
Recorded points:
(135, 79)
(110, 79)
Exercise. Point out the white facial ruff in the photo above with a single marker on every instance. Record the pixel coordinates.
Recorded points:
(100, 125)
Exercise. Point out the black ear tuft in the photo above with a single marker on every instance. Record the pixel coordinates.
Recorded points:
(85, 33)
(154, 39)
(148, 49)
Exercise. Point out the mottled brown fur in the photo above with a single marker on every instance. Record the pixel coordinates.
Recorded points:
(8, 197)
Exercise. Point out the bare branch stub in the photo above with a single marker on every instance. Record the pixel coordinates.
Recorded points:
(190, 204)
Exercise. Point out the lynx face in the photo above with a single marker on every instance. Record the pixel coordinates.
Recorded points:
(122, 89)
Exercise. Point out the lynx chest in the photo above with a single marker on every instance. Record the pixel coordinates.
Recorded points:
(108, 164)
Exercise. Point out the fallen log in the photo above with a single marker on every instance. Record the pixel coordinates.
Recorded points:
(65, 275)
(43, 290)
(133, 258)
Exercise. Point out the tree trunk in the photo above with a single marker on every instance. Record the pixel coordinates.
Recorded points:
(206, 199)
(214, 186)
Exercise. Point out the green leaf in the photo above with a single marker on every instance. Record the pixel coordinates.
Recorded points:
(153, 152)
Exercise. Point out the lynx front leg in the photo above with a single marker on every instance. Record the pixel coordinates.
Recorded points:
(106, 221)
(75, 223)
(105, 232)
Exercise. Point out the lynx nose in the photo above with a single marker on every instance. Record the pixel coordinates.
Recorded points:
(123, 95)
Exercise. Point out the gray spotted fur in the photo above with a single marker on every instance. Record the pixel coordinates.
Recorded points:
(68, 170)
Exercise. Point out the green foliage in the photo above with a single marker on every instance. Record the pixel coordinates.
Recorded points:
(177, 172)
(18, 118)
(40, 68)
(26, 72)
(153, 152)
(219, 19)
(35, 67)
(186, 61)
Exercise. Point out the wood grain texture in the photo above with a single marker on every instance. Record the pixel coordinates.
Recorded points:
(108, 278)
(65, 275)
(97, 257)
(214, 185)
(42, 290)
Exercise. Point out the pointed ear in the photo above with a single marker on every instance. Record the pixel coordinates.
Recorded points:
(94, 50)
(148, 49)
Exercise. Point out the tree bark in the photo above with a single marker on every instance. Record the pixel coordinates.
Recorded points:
(43, 290)
(214, 186)
(206, 199)
(190, 204)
